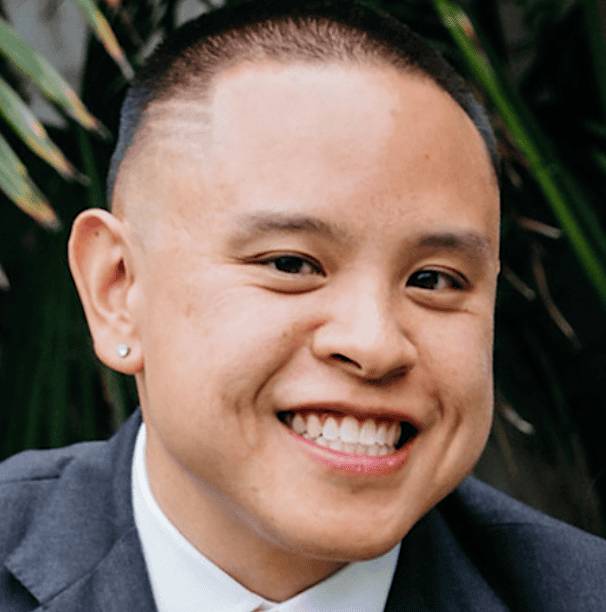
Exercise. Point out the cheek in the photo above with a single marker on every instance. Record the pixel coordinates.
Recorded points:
(211, 341)
(458, 355)
(210, 351)
(460, 358)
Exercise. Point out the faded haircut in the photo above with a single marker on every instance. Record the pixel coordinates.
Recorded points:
(315, 32)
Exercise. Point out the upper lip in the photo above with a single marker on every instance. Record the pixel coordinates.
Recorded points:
(359, 411)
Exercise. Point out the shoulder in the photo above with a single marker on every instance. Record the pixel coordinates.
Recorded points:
(481, 509)
(486, 509)
(532, 556)
(26, 480)
(64, 512)
(35, 465)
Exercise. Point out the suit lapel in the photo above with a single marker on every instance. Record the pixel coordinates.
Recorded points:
(434, 572)
(117, 584)
(82, 550)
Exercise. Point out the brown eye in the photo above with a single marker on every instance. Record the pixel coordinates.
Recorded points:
(434, 280)
(291, 264)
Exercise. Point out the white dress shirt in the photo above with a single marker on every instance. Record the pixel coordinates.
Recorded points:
(184, 580)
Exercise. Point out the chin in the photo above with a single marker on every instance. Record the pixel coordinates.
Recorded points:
(345, 543)
(348, 551)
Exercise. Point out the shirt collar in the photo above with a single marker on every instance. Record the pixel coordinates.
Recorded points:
(183, 579)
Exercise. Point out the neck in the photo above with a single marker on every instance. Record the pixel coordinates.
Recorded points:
(214, 527)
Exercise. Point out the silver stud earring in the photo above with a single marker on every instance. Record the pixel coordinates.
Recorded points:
(123, 351)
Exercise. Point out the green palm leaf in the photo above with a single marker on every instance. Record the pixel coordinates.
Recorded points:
(31, 131)
(18, 186)
(50, 82)
(543, 164)
(104, 33)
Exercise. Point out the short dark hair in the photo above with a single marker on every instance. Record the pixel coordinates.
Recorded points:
(317, 31)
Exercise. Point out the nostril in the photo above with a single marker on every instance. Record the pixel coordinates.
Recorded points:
(344, 359)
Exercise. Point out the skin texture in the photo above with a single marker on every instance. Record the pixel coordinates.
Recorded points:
(370, 177)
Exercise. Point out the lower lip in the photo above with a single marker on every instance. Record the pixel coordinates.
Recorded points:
(356, 465)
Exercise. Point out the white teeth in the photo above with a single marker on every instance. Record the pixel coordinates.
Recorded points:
(336, 445)
(393, 434)
(350, 430)
(381, 436)
(314, 427)
(347, 434)
(298, 424)
(368, 432)
(330, 430)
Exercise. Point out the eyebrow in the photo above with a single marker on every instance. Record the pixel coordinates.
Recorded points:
(471, 243)
(251, 225)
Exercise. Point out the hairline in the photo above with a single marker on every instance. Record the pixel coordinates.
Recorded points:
(201, 92)
(169, 76)
(201, 95)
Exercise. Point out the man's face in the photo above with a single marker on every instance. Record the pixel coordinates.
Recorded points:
(323, 257)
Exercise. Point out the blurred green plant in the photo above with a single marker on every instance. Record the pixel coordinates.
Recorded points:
(17, 185)
(540, 68)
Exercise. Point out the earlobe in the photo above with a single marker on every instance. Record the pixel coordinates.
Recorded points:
(102, 263)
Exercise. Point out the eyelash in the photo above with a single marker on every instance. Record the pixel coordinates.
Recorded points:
(456, 282)
(268, 261)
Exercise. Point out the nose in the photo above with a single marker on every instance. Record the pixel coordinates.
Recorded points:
(363, 337)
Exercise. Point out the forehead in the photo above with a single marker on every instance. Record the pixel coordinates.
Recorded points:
(271, 133)
(330, 111)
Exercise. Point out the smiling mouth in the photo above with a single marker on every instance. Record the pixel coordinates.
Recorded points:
(371, 437)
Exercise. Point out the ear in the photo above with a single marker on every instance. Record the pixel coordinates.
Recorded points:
(102, 262)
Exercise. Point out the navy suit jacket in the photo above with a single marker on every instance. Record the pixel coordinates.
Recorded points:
(68, 543)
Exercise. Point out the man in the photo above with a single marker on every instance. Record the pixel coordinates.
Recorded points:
(300, 272)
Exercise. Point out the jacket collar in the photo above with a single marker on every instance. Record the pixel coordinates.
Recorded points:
(436, 569)
(87, 522)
